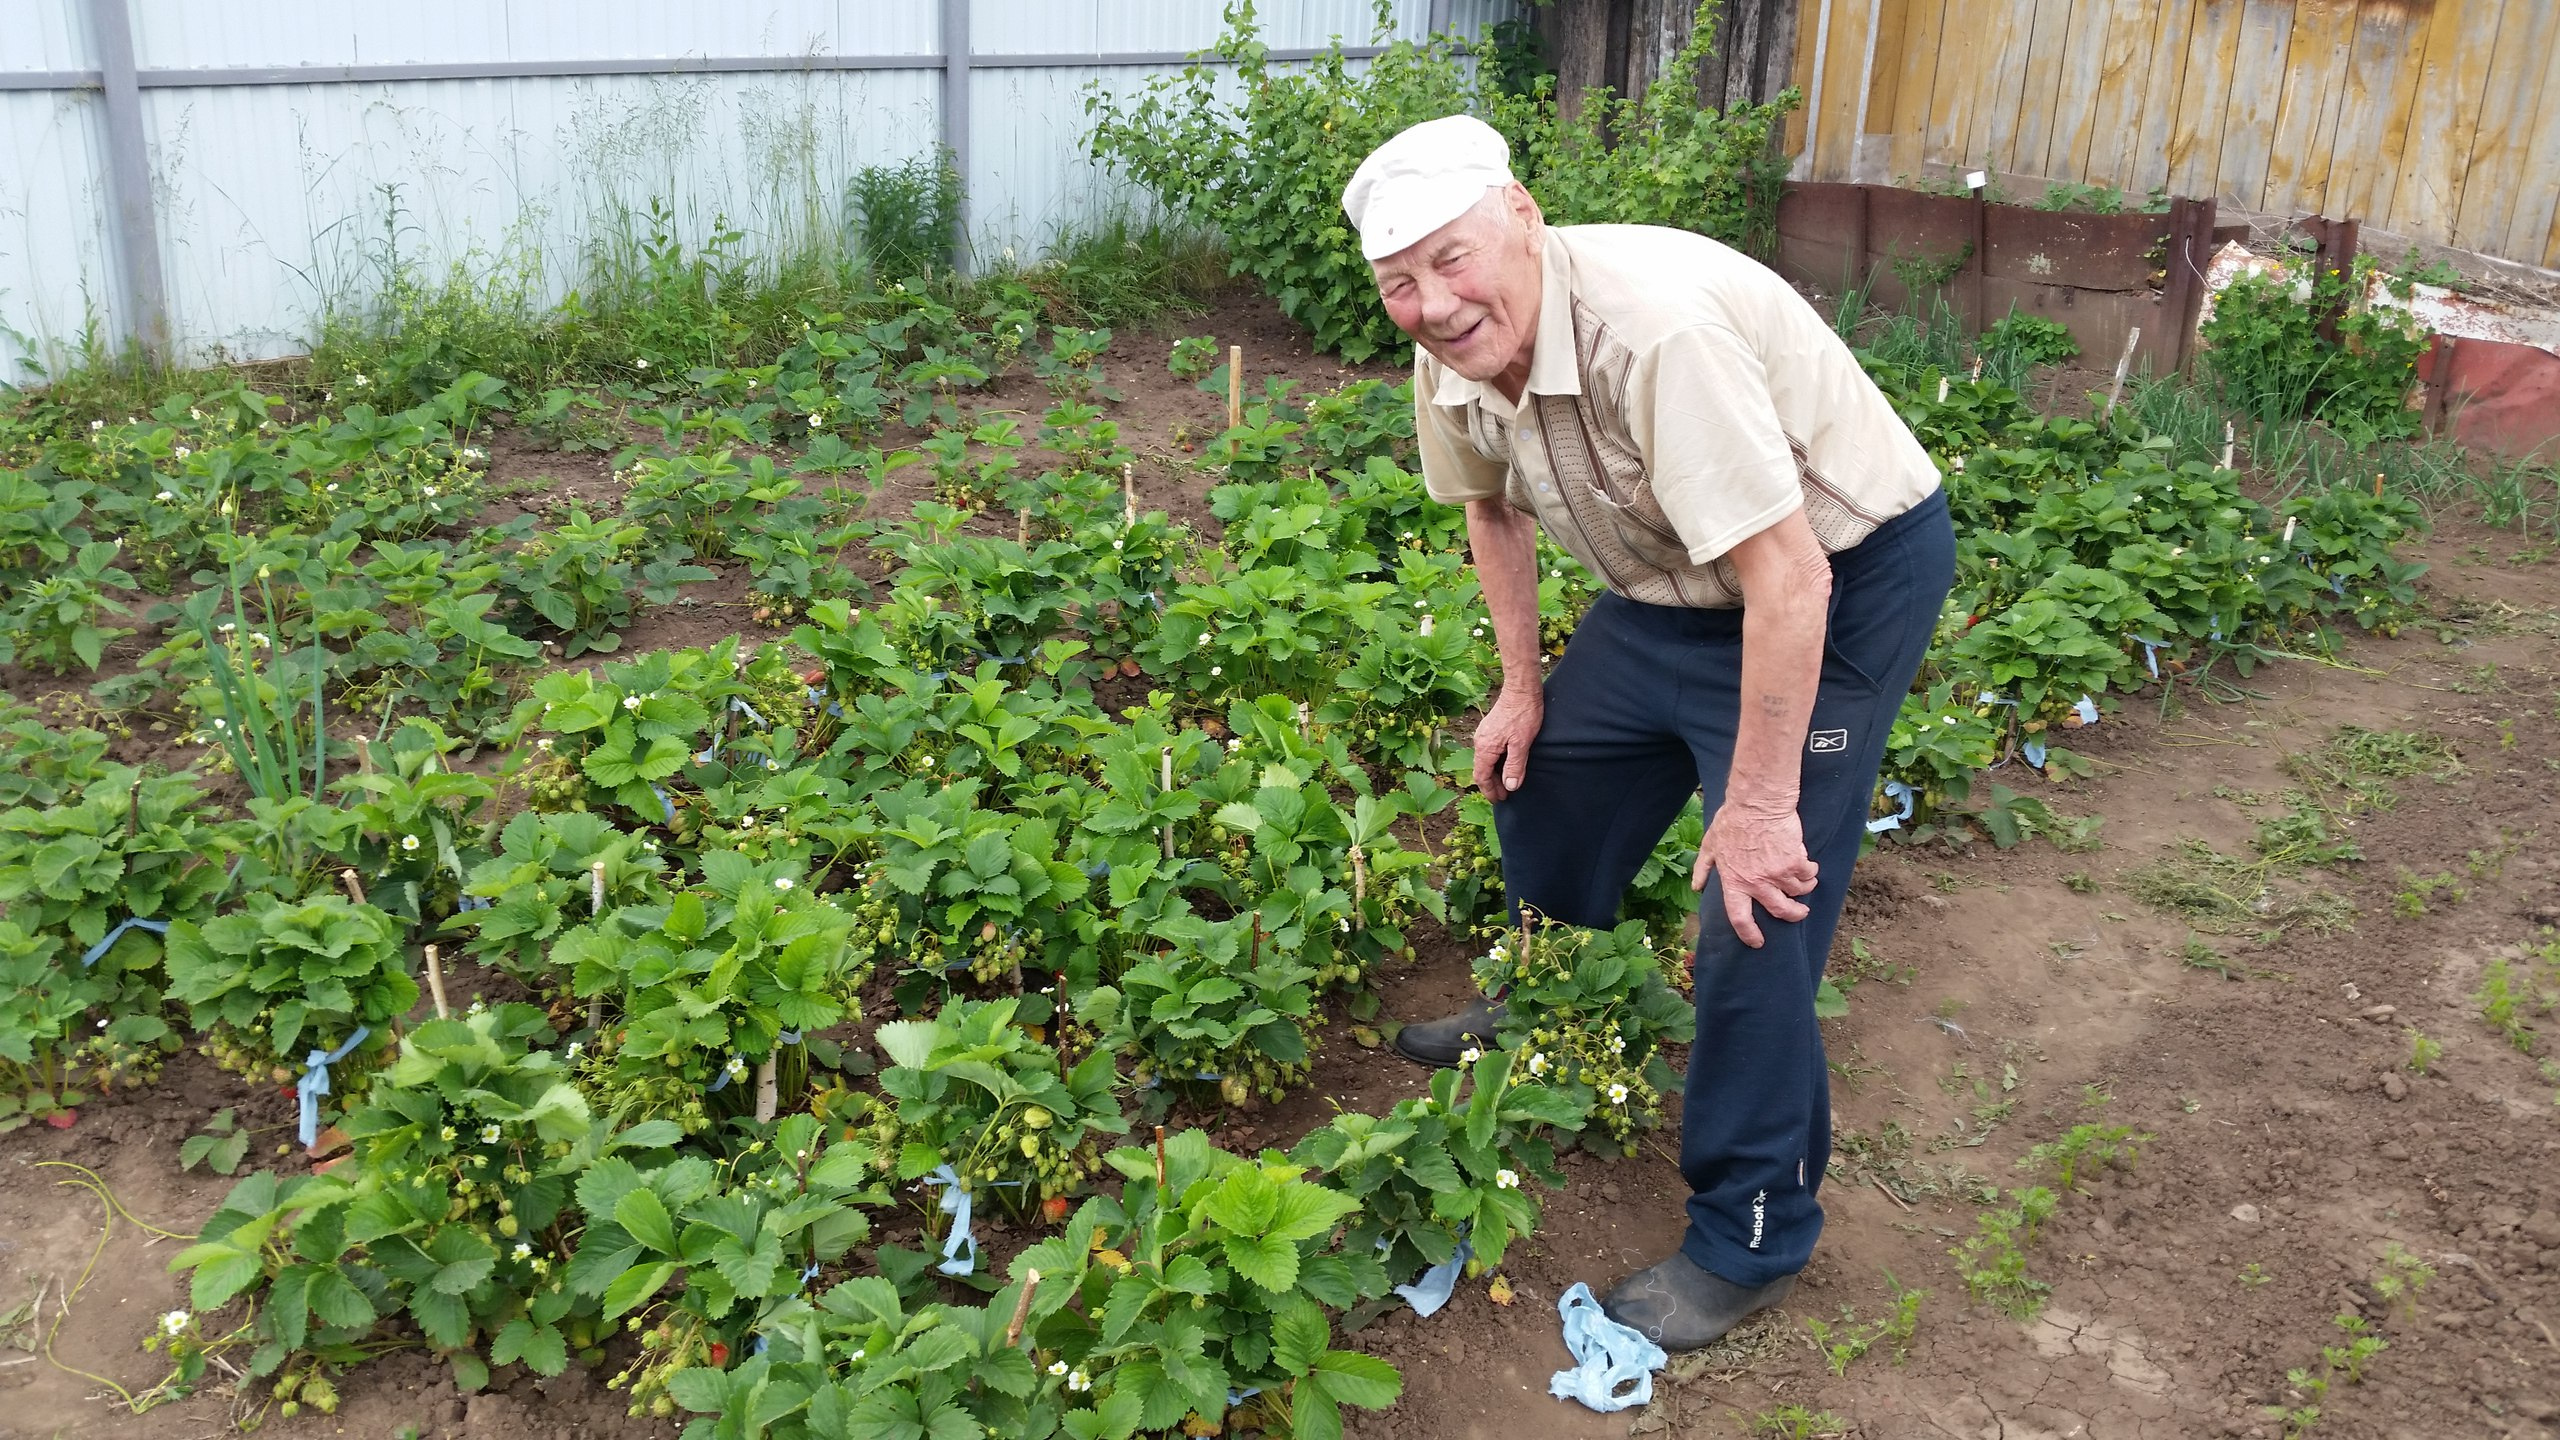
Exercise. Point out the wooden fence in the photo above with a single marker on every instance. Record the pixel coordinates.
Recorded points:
(2434, 119)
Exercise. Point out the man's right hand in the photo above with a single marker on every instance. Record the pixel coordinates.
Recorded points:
(1502, 741)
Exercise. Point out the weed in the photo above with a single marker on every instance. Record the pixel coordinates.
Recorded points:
(2513, 991)
(1193, 357)
(1794, 1422)
(2424, 1051)
(1126, 270)
(2083, 1148)
(2402, 1278)
(1845, 1341)
(2221, 894)
(2196, 954)
(2348, 1361)
(2418, 891)
(907, 216)
(1993, 1261)
(2080, 882)
(2253, 1275)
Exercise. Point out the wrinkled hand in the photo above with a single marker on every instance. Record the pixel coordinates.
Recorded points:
(1502, 741)
(1760, 855)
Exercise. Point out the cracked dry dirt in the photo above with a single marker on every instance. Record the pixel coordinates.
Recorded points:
(2291, 1143)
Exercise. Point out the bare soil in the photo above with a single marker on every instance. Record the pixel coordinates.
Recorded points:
(2290, 1140)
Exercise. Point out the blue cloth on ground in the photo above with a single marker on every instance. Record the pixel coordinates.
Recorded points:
(1430, 1290)
(1613, 1365)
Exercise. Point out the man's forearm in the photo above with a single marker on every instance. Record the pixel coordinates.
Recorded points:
(1505, 543)
(1786, 585)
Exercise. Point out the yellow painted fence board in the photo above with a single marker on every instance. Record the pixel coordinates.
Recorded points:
(2508, 105)
(2439, 119)
(2306, 124)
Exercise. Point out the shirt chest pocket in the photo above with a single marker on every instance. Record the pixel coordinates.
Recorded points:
(1640, 526)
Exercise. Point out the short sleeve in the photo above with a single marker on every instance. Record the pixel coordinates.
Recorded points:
(1451, 469)
(1699, 407)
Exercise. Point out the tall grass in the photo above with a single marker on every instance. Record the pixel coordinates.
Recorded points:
(1127, 269)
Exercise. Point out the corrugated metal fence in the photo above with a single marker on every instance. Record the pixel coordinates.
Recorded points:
(219, 173)
(2435, 119)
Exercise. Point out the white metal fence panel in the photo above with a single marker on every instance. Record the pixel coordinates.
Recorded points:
(515, 137)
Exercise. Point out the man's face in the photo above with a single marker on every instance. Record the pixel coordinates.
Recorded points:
(1468, 292)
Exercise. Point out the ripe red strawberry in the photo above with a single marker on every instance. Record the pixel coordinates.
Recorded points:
(1054, 1209)
(719, 1354)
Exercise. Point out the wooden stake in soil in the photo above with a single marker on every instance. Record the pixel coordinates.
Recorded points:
(2377, 487)
(1159, 1164)
(355, 888)
(364, 756)
(1359, 889)
(1168, 789)
(1942, 389)
(595, 888)
(435, 985)
(767, 1092)
(2230, 443)
(1129, 492)
(2287, 542)
(1235, 386)
(1022, 528)
(1021, 1309)
(2124, 362)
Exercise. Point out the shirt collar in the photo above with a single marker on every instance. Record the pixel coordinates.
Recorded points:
(1553, 367)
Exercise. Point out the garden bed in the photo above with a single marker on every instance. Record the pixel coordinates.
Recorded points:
(1998, 998)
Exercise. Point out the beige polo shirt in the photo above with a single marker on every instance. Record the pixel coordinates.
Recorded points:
(1681, 399)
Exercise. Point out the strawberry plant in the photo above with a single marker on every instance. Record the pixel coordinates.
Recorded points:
(279, 976)
(976, 1091)
(1589, 1011)
(54, 619)
(715, 983)
(1217, 1004)
(1436, 1171)
(465, 1148)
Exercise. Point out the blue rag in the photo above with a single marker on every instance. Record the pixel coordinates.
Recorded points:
(315, 1083)
(1430, 1290)
(1607, 1357)
(1893, 790)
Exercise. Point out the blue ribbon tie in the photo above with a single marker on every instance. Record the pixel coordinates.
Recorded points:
(2150, 654)
(1431, 1289)
(664, 803)
(1990, 699)
(91, 955)
(315, 1083)
(2086, 709)
(1893, 790)
(2034, 751)
(1613, 1365)
(959, 1248)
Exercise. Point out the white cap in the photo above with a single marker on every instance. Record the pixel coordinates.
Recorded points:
(1423, 178)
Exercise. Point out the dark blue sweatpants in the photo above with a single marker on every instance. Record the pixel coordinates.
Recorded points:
(1640, 712)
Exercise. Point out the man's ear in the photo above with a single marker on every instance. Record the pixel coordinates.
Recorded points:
(1524, 208)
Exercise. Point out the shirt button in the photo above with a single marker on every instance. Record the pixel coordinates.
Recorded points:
(1543, 487)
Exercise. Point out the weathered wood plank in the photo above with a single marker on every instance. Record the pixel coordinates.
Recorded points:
(1884, 80)
(2195, 135)
(2324, 36)
(2533, 235)
(2445, 121)
(2491, 189)
(1800, 74)
(2000, 88)
(1951, 100)
(2257, 93)
(1850, 22)
(2105, 154)
(2043, 87)
(2171, 33)
(1921, 36)
(2373, 118)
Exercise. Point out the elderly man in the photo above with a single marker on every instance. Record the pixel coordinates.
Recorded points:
(1776, 551)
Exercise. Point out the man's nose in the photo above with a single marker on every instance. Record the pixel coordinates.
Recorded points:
(1439, 303)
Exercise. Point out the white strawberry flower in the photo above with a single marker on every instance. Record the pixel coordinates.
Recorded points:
(1617, 1094)
(175, 1322)
(630, 702)
(1538, 1063)
(409, 843)
(1470, 1055)
(488, 1134)
(781, 882)
(168, 495)
(1057, 1367)
(523, 1251)
(1078, 1381)
(1506, 1180)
